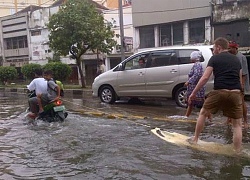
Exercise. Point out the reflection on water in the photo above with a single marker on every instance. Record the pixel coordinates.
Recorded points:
(97, 148)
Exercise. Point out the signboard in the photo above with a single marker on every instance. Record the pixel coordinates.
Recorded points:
(128, 40)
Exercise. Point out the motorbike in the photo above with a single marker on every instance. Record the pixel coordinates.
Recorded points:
(53, 111)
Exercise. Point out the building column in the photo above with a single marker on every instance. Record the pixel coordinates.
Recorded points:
(136, 40)
(208, 30)
(186, 32)
(157, 35)
(107, 63)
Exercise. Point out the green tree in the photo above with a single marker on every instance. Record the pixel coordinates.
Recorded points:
(56, 58)
(7, 73)
(60, 70)
(29, 69)
(77, 28)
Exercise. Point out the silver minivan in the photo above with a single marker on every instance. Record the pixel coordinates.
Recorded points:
(162, 76)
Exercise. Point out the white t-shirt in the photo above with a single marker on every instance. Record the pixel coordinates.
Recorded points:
(102, 68)
(39, 85)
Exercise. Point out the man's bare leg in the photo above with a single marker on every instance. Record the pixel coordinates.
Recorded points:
(237, 134)
(245, 114)
(39, 100)
(189, 110)
(200, 123)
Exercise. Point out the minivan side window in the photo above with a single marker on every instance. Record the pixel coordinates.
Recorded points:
(137, 62)
(184, 56)
(163, 58)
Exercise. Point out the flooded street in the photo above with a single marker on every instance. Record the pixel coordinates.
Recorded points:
(88, 147)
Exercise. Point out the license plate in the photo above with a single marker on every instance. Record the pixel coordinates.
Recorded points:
(59, 108)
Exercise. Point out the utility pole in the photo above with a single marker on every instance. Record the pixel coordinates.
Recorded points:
(121, 30)
(15, 5)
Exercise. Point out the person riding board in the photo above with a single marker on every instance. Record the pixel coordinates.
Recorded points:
(226, 95)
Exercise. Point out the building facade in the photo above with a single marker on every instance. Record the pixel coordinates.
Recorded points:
(14, 38)
(113, 4)
(9, 7)
(24, 39)
(112, 16)
(230, 19)
(171, 22)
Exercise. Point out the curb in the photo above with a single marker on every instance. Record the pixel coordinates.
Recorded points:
(121, 116)
(88, 92)
(83, 92)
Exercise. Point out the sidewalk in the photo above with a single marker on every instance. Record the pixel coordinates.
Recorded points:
(83, 92)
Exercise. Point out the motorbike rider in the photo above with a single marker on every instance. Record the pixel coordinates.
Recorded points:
(53, 91)
(39, 85)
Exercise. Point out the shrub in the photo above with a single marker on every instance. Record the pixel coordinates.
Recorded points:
(29, 69)
(7, 73)
(60, 70)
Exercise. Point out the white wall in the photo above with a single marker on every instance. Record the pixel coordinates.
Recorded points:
(39, 48)
(113, 17)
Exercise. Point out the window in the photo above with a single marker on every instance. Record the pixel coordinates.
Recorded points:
(178, 37)
(35, 32)
(165, 35)
(197, 31)
(8, 44)
(147, 39)
(16, 42)
(134, 62)
(164, 58)
(184, 56)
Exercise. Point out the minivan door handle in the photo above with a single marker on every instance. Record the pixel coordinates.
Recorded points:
(140, 73)
(173, 71)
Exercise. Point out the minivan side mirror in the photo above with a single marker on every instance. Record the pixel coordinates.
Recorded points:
(119, 67)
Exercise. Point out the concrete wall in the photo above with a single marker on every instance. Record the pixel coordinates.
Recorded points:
(231, 20)
(148, 12)
(7, 7)
(226, 12)
(39, 47)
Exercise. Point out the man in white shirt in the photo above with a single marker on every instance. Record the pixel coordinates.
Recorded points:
(101, 67)
(39, 84)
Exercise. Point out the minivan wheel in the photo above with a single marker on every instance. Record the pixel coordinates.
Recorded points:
(180, 97)
(107, 95)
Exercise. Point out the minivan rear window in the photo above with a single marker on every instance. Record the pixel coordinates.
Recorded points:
(163, 58)
(184, 56)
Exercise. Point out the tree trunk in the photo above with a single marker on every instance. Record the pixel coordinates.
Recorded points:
(78, 62)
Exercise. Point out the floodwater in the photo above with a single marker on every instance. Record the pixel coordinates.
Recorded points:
(98, 148)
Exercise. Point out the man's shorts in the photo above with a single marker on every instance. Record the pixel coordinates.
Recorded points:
(228, 101)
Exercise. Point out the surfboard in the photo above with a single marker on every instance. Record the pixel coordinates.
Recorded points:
(210, 147)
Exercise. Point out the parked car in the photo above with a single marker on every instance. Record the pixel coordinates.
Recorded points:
(163, 75)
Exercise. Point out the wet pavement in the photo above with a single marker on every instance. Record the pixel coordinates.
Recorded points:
(92, 145)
